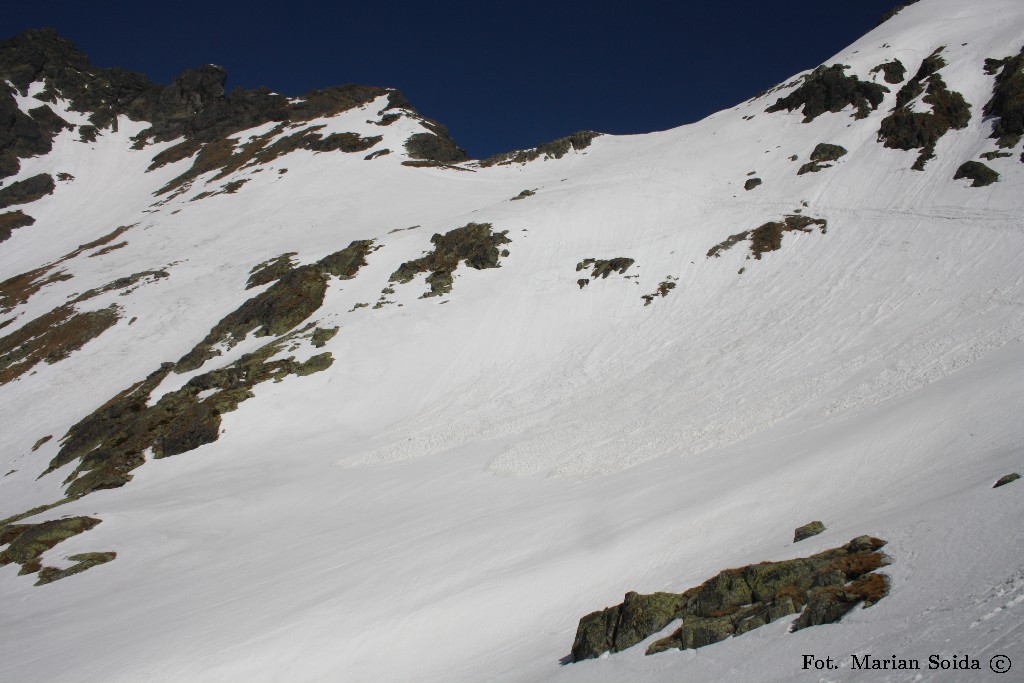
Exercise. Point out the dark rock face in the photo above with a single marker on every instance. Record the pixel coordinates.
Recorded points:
(893, 72)
(1006, 479)
(664, 287)
(824, 152)
(473, 244)
(193, 106)
(906, 129)
(82, 562)
(50, 338)
(435, 146)
(829, 89)
(894, 11)
(768, 237)
(622, 626)
(1007, 103)
(28, 542)
(807, 530)
(602, 268)
(980, 174)
(11, 221)
(26, 191)
(822, 588)
(555, 149)
(751, 184)
(296, 295)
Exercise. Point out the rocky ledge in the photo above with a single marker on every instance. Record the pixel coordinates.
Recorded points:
(822, 588)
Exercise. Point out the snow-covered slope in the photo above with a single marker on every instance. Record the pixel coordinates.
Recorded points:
(466, 475)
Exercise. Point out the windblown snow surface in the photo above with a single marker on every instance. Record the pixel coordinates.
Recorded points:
(478, 471)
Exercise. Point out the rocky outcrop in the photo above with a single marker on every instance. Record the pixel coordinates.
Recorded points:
(823, 152)
(893, 72)
(751, 184)
(664, 287)
(602, 268)
(474, 244)
(829, 89)
(297, 294)
(821, 588)
(979, 174)
(908, 129)
(807, 530)
(51, 338)
(555, 149)
(1006, 479)
(436, 146)
(768, 237)
(894, 11)
(27, 191)
(194, 106)
(1007, 103)
(26, 544)
(11, 221)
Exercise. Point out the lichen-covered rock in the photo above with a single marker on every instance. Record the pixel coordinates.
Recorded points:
(27, 542)
(602, 268)
(768, 237)
(474, 244)
(1006, 479)
(555, 149)
(82, 562)
(11, 221)
(270, 270)
(322, 335)
(829, 89)
(51, 337)
(822, 588)
(663, 290)
(26, 191)
(296, 295)
(980, 174)
(617, 628)
(436, 146)
(824, 151)
(1007, 102)
(807, 530)
(893, 72)
(894, 11)
(908, 129)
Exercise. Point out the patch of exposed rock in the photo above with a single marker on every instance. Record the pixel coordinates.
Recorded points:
(195, 106)
(823, 153)
(1007, 103)
(11, 221)
(829, 89)
(978, 173)
(474, 244)
(26, 191)
(602, 268)
(768, 237)
(26, 544)
(556, 149)
(821, 588)
(907, 129)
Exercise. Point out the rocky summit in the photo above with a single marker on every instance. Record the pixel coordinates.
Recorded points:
(288, 380)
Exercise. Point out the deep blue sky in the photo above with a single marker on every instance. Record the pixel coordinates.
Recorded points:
(500, 75)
